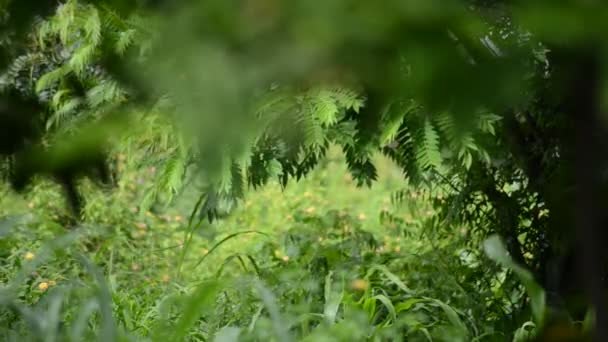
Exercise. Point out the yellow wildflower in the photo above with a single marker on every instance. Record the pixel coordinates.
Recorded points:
(310, 210)
(29, 256)
(43, 286)
(362, 216)
(285, 258)
(139, 234)
(359, 284)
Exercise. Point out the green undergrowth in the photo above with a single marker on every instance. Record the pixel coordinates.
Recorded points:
(320, 260)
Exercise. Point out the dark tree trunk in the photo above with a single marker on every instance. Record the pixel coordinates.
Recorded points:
(586, 151)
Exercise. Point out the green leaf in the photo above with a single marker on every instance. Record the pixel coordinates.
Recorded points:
(389, 306)
(408, 304)
(195, 306)
(332, 300)
(452, 316)
(391, 277)
(228, 334)
(496, 251)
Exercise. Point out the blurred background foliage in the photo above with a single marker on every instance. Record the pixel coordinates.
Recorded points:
(490, 112)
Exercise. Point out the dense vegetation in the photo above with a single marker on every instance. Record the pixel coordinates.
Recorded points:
(290, 170)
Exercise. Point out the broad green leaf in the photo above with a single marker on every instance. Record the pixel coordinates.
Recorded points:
(197, 303)
(496, 251)
(391, 277)
(228, 334)
(332, 300)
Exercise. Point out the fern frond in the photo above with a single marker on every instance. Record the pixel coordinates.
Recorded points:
(125, 40)
(347, 99)
(81, 58)
(392, 121)
(324, 107)
(58, 97)
(92, 26)
(50, 78)
(428, 153)
(170, 181)
(59, 115)
(487, 123)
(63, 20)
(311, 127)
(105, 92)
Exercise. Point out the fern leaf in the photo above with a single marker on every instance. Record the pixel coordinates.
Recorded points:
(347, 99)
(225, 181)
(58, 97)
(487, 123)
(312, 129)
(105, 92)
(428, 154)
(64, 20)
(172, 176)
(92, 26)
(81, 58)
(324, 107)
(50, 78)
(392, 122)
(59, 115)
(124, 41)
